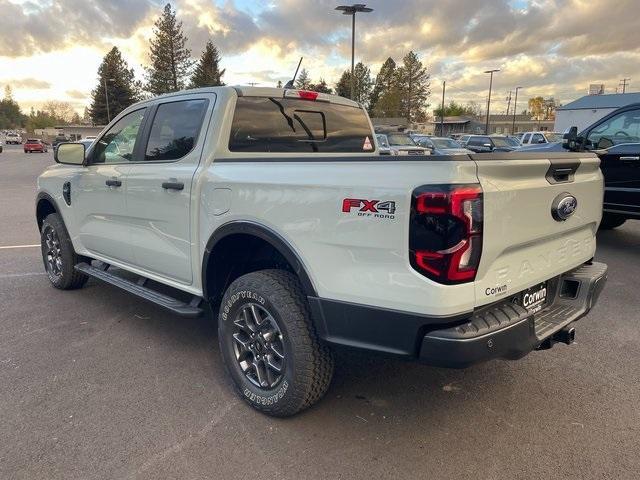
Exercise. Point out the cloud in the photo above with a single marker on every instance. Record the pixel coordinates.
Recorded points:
(553, 46)
(27, 83)
(77, 94)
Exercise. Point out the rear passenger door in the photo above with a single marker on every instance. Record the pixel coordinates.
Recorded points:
(159, 186)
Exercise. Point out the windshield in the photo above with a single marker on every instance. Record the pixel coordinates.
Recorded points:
(500, 142)
(514, 142)
(445, 143)
(553, 137)
(400, 139)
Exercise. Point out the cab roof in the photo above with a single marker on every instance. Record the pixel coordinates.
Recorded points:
(248, 91)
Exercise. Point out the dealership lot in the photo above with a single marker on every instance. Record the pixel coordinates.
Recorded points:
(97, 384)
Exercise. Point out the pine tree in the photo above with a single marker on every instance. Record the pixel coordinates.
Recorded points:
(170, 58)
(384, 82)
(413, 83)
(303, 82)
(362, 86)
(321, 87)
(10, 114)
(207, 72)
(122, 88)
(343, 87)
(389, 105)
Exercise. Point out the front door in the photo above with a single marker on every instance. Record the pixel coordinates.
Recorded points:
(159, 186)
(617, 141)
(99, 207)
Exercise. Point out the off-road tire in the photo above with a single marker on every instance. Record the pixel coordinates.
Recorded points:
(68, 278)
(611, 221)
(308, 363)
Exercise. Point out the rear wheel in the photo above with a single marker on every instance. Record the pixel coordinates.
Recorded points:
(611, 221)
(58, 255)
(269, 345)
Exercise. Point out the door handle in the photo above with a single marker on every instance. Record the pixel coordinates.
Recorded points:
(173, 185)
(630, 159)
(113, 182)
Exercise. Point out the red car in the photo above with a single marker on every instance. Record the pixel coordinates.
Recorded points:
(34, 145)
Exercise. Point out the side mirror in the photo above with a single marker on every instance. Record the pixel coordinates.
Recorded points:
(571, 141)
(70, 153)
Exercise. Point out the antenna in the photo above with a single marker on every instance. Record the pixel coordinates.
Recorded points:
(290, 83)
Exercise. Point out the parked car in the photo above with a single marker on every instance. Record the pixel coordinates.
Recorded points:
(440, 145)
(61, 138)
(299, 245)
(400, 144)
(539, 138)
(87, 142)
(511, 140)
(13, 138)
(487, 143)
(35, 145)
(616, 140)
(383, 145)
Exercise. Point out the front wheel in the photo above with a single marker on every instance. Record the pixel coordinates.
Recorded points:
(59, 256)
(269, 345)
(611, 221)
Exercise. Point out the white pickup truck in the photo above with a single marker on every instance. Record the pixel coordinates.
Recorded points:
(273, 207)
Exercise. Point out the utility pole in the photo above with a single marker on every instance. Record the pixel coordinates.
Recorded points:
(515, 111)
(624, 82)
(509, 102)
(106, 97)
(444, 86)
(351, 10)
(490, 72)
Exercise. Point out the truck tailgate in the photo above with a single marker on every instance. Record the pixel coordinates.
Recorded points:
(523, 244)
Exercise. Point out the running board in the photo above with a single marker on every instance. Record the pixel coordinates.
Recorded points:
(138, 289)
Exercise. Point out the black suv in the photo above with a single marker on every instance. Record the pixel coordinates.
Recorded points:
(487, 143)
(616, 140)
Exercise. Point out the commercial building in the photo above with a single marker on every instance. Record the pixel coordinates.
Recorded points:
(590, 108)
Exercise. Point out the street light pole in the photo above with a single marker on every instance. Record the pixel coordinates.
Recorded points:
(106, 96)
(515, 111)
(444, 86)
(351, 10)
(486, 125)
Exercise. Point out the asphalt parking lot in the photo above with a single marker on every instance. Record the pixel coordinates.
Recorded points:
(96, 384)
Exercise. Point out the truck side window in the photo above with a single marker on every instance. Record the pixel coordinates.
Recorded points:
(269, 124)
(622, 128)
(537, 138)
(526, 138)
(117, 145)
(175, 129)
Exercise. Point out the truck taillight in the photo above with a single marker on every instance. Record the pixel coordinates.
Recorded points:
(445, 232)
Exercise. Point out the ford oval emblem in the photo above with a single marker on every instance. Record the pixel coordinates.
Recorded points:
(563, 206)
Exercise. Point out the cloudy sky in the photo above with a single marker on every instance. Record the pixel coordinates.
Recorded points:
(50, 49)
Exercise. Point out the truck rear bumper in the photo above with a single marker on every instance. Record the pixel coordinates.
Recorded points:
(507, 330)
(501, 330)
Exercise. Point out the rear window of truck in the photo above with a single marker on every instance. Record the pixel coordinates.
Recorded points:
(284, 125)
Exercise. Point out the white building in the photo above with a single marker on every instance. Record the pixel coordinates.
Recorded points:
(586, 110)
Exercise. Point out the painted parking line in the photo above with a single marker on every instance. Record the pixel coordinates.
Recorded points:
(18, 275)
(8, 247)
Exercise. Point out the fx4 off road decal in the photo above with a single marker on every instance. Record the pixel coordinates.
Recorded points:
(369, 208)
